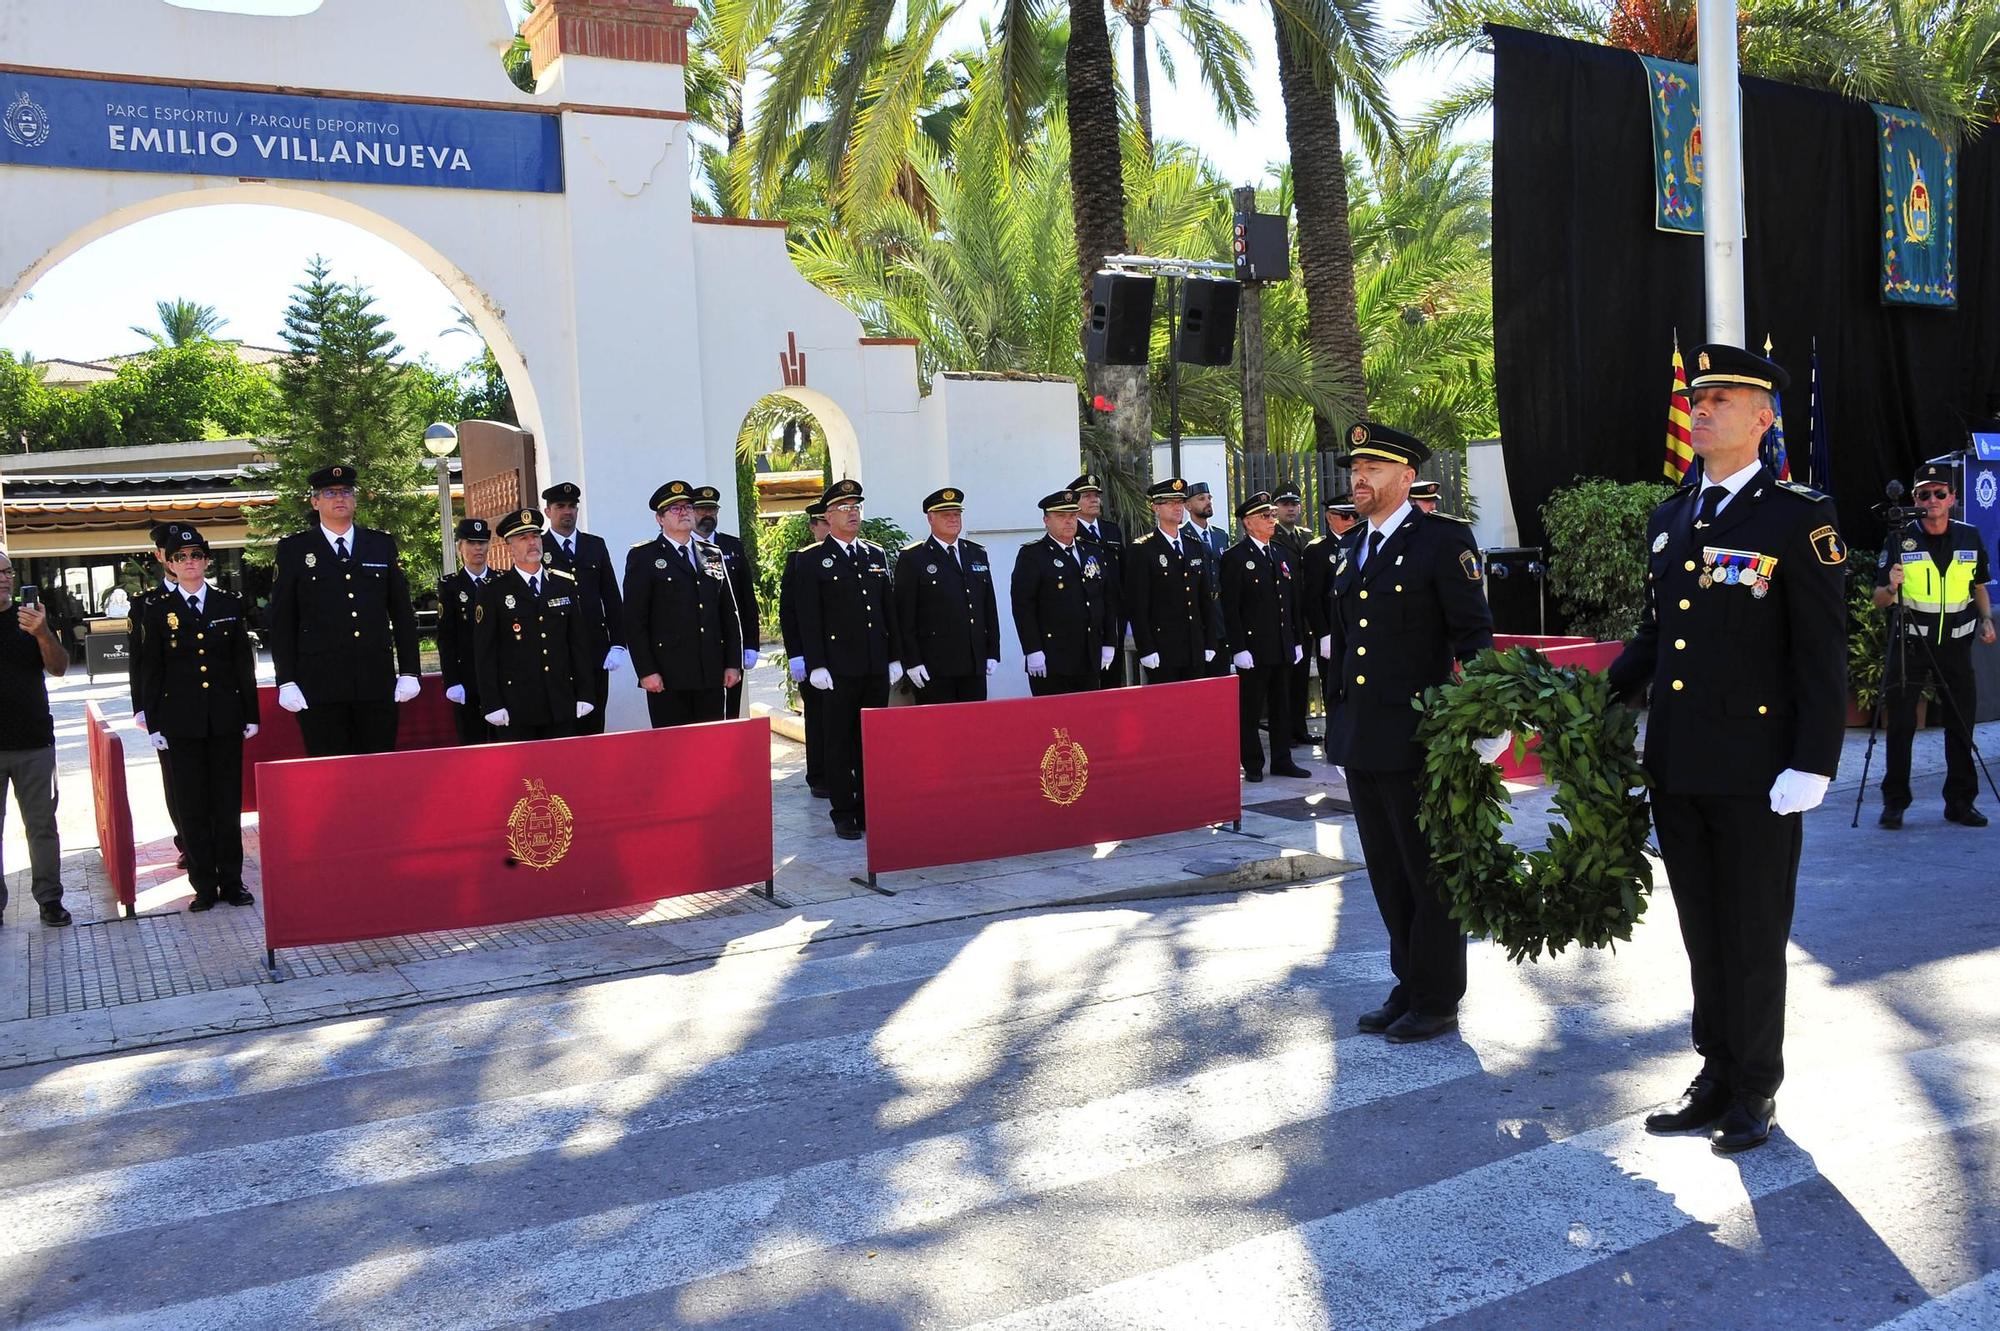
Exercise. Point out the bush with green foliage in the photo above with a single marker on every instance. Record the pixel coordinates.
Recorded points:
(169, 395)
(1597, 553)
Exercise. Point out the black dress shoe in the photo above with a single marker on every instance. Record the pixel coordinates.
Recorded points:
(1704, 1101)
(1891, 819)
(238, 895)
(1966, 817)
(1290, 769)
(1302, 737)
(202, 901)
(53, 914)
(1379, 1019)
(1253, 777)
(1747, 1124)
(1414, 1026)
(847, 831)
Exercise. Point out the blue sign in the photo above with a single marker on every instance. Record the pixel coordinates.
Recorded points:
(94, 125)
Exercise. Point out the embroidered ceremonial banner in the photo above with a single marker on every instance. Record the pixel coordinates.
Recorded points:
(1673, 97)
(983, 780)
(1919, 211)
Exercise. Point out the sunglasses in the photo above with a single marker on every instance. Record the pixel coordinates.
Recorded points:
(1924, 496)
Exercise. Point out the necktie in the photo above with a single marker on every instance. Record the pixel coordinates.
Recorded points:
(340, 546)
(1374, 544)
(193, 605)
(535, 586)
(687, 553)
(952, 550)
(569, 548)
(1711, 504)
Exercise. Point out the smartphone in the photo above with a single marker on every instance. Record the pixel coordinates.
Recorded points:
(31, 595)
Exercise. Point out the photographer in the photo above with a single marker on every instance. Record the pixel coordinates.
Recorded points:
(28, 651)
(1936, 570)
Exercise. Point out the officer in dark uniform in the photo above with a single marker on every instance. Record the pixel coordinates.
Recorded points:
(1318, 560)
(1744, 642)
(1937, 569)
(529, 645)
(1405, 602)
(946, 616)
(343, 636)
(742, 587)
(1296, 539)
(602, 618)
(811, 701)
(1062, 604)
(680, 619)
(1424, 495)
(201, 704)
(1263, 628)
(1214, 535)
(1166, 592)
(1094, 529)
(135, 629)
(847, 626)
(458, 597)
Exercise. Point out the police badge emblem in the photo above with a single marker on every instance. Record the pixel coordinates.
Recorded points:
(464, 597)
(312, 560)
(827, 562)
(510, 600)
(930, 568)
(1659, 542)
(1163, 561)
(173, 620)
(660, 563)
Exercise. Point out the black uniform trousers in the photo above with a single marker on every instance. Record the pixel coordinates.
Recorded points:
(334, 729)
(812, 706)
(1301, 695)
(208, 796)
(1426, 947)
(1048, 686)
(594, 687)
(1264, 693)
(954, 688)
(558, 729)
(473, 728)
(1734, 867)
(1950, 664)
(167, 789)
(682, 707)
(842, 707)
(1168, 673)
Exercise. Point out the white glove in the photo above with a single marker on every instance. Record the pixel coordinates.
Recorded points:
(407, 687)
(1106, 657)
(1038, 664)
(991, 666)
(138, 720)
(617, 659)
(456, 693)
(250, 731)
(821, 678)
(290, 698)
(499, 718)
(1151, 660)
(1242, 661)
(1298, 654)
(895, 673)
(1795, 791)
(584, 709)
(798, 667)
(157, 740)
(749, 658)
(920, 675)
(1326, 646)
(1208, 653)
(1489, 750)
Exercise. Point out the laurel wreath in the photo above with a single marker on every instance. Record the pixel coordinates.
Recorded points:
(1589, 885)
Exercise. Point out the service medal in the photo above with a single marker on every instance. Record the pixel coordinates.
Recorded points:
(930, 568)
(1762, 589)
(312, 560)
(1732, 575)
(659, 563)
(1703, 582)
(1659, 542)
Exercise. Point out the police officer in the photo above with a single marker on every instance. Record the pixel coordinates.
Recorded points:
(601, 617)
(1201, 522)
(1424, 495)
(946, 616)
(1744, 642)
(1937, 569)
(847, 626)
(1094, 529)
(529, 644)
(1405, 602)
(811, 701)
(1319, 558)
(458, 597)
(343, 635)
(1166, 592)
(680, 619)
(742, 587)
(201, 704)
(1062, 604)
(1287, 505)
(135, 629)
(1263, 625)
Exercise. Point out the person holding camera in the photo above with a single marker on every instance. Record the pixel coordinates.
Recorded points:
(28, 653)
(1936, 570)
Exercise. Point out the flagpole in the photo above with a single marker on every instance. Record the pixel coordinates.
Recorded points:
(1722, 175)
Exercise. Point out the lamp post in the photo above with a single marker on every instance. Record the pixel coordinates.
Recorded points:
(439, 441)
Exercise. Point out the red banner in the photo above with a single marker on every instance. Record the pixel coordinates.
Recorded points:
(424, 722)
(395, 843)
(983, 780)
(114, 808)
(1585, 653)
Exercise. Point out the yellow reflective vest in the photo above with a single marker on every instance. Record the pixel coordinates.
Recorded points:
(1937, 599)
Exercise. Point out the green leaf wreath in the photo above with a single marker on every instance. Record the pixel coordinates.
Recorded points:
(1589, 886)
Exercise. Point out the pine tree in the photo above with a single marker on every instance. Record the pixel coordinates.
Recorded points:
(343, 398)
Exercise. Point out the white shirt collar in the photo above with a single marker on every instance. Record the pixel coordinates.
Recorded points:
(198, 597)
(1389, 524)
(1734, 482)
(332, 536)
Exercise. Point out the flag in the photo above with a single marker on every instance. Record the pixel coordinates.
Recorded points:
(1772, 452)
(1680, 429)
(1819, 455)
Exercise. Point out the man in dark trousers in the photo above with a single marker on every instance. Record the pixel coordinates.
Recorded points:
(1406, 602)
(135, 629)
(29, 653)
(1319, 559)
(1263, 627)
(811, 701)
(458, 598)
(600, 617)
(1101, 533)
(1201, 526)
(1287, 505)
(847, 626)
(1744, 642)
(528, 644)
(1166, 592)
(679, 617)
(1937, 569)
(742, 589)
(1061, 592)
(201, 704)
(946, 615)
(343, 636)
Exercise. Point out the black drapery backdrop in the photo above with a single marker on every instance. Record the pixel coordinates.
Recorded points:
(1587, 294)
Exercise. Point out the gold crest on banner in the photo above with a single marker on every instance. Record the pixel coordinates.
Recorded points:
(540, 827)
(1065, 770)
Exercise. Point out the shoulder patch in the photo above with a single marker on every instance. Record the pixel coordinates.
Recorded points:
(1468, 560)
(1827, 546)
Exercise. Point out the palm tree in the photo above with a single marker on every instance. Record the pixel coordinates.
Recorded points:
(1220, 52)
(182, 322)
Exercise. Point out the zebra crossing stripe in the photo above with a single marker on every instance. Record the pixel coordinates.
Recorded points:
(1973, 1306)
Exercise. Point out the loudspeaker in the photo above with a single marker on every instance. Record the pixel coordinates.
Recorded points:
(1263, 249)
(1207, 333)
(1121, 320)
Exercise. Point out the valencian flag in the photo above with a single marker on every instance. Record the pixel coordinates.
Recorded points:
(1819, 455)
(1674, 100)
(1680, 428)
(1772, 452)
(1919, 211)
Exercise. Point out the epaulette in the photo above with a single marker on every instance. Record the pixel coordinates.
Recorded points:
(560, 573)
(648, 541)
(1802, 491)
(1452, 517)
(913, 545)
